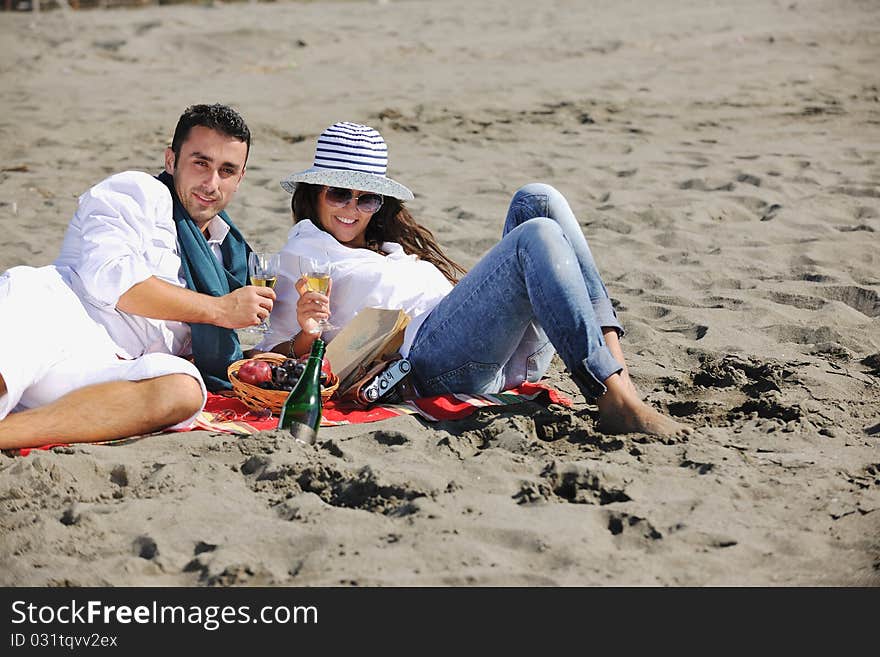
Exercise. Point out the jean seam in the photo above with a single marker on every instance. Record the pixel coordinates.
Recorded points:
(445, 376)
(446, 322)
(563, 337)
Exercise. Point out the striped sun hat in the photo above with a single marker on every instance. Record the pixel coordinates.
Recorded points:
(352, 156)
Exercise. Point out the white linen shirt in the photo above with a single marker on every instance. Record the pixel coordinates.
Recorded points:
(123, 233)
(361, 279)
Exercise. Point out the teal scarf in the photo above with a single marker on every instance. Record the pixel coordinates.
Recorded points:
(214, 348)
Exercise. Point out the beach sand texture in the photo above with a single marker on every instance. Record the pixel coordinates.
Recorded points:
(724, 161)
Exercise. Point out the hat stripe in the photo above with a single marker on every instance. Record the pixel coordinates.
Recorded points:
(348, 125)
(348, 165)
(353, 143)
(374, 137)
(338, 167)
(359, 155)
(340, 128)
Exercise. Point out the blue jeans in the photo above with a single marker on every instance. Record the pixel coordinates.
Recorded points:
(536, 290)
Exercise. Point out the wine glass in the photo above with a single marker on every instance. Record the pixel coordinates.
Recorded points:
(318, 268)
(263, 271)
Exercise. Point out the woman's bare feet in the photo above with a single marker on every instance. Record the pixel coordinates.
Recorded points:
(622, 411)
(612, 341)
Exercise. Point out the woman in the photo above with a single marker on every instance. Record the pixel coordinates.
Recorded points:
(534, 293)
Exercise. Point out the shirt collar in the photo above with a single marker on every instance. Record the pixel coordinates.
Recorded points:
(218, 230)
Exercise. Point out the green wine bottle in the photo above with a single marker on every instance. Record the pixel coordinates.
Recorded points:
(301, 414)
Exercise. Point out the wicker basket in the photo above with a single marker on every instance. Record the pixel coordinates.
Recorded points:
(257, 398)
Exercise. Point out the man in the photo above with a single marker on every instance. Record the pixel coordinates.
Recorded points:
(159, 263)
(114, 306)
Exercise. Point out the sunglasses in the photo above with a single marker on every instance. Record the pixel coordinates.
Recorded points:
(339, 197)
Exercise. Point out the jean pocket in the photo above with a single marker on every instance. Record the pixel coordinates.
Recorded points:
(472, 377)
(539, 362)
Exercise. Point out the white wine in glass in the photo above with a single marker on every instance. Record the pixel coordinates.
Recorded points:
(264, 282)
(318, 280)
(263, 271)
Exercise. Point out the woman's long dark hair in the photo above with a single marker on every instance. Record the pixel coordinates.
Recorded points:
(392, 223)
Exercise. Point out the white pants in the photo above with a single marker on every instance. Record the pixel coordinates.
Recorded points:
(49, 346)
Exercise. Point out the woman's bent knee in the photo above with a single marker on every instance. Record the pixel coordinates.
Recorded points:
(535, 189)
(544, 230)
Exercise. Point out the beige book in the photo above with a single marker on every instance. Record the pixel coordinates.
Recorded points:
(373, 334)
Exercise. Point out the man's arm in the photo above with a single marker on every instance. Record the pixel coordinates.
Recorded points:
(158, 299)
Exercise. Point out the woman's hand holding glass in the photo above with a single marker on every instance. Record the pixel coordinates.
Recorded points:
(312, 308)
(317, 282)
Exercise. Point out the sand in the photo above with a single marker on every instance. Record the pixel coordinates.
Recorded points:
(723, 161)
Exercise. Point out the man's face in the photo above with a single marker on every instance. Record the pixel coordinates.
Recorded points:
(207, 173)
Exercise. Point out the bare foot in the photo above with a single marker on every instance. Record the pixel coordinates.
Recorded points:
(641, 420)
(628, 382)
(621, 411)
(612, 341)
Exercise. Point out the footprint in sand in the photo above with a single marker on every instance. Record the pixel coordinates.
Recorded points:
(858, 227)
(873, 364)
(145, 547)
(358, 490)
(805, 335)
(146, 26)
(813, 277)
(703, 185)
(615, 224)
(583, 483)
(804, 302)
(687, 408)
(771, 212)
(767, 408)
(688, 329)
(654, 312)
(390, 438)
(700, 468)
(861, 299)
(749, 179)
(725, 303)
(857, 192)
(119, 476)
(755, 379)
(632, 529)
(752, 376)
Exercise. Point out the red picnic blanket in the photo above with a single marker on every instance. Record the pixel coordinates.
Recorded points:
(230, 415)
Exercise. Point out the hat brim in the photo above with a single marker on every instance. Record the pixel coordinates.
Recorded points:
(366, 182)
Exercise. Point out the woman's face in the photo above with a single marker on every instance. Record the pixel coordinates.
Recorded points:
(341, 213)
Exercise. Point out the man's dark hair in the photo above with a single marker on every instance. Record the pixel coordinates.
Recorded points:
(221, 118)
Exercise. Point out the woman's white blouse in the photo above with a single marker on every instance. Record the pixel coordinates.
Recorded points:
(361, 279)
